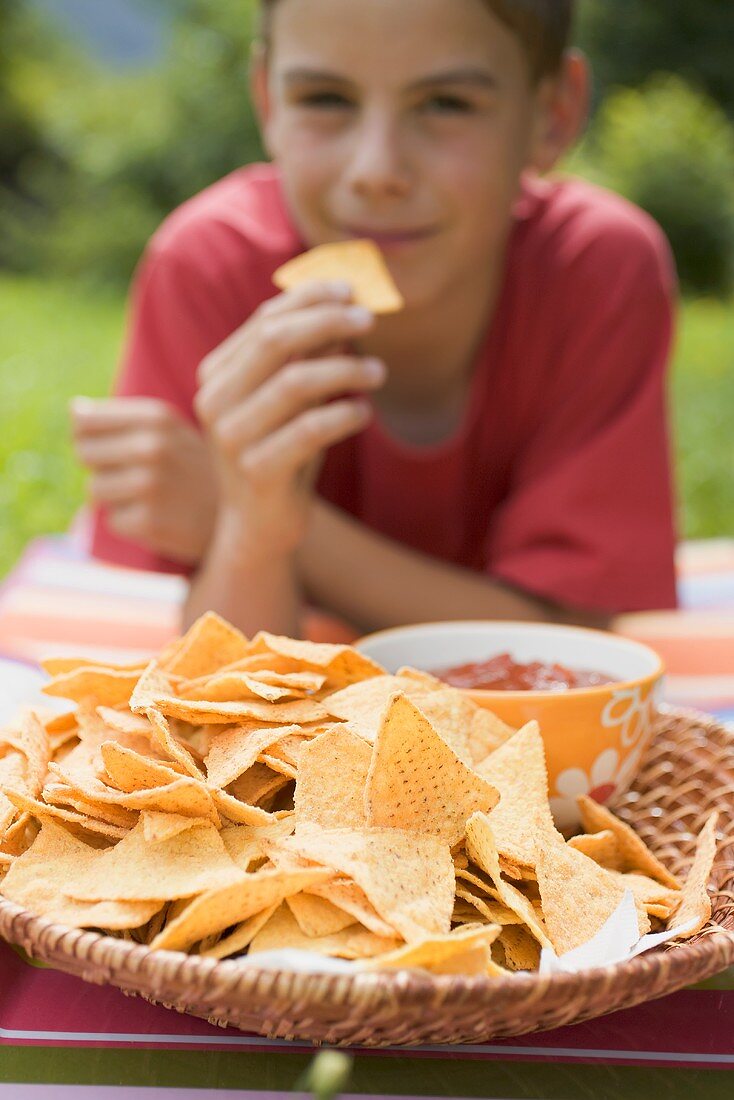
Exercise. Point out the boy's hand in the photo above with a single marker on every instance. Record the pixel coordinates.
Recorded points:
(152, 470)
(272, 399)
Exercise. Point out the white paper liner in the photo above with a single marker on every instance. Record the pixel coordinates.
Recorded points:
(616, 941)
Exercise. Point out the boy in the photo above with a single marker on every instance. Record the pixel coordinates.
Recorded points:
(502, 450)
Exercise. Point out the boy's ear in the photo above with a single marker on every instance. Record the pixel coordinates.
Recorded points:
(259, 91)
(563, 110)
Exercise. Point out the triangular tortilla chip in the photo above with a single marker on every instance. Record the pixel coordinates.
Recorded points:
(276, 764)
(60, 723)
(407, 877)
(43, 811)
(520, 950)
(427, 679)
(578, 896)
(158, 826)
(13, 767)
(185, 864)
(256, 784)
(649, 892)
(105, 686)
(440, 954)
(494, 912)
(240, 812)
(602, 847)
(183, 796)
(209, 644)
(245, 843)
(695, 903)
(471, 731)
(317, 916)
(518, 771)
(346, 895)
(37, 881)
(132, 771)
(59, 794)
(331, 781)
(170, 746)
(23, 763)
(481, 844)
(298, 681)
(357, 262)
(295, 711)
(20, 835)
(234, 751)
(123, 721)
(217, 909)
(242, 685)
(633, 850)
(353, 942)
(363, 704)
(58, 666)
(240, 938)
(417, 782)
(340, 663)
(33, 742)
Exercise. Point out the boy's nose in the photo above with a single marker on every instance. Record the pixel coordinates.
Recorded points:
(378, 164)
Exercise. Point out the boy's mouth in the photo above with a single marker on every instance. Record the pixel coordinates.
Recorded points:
(389, 238)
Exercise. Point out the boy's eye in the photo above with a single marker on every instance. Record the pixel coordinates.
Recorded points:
(449, 104)
(325, 100)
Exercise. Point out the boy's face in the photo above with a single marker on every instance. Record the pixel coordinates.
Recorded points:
(409, 122)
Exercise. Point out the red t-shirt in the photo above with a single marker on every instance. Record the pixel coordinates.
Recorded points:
(558, 478)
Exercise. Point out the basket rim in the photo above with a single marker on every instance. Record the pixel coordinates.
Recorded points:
(694, 960)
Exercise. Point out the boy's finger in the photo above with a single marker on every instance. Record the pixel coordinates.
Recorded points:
(121, 485)
(300, 297)
(116, 413)
(126, 447)
(286, 451)
(306, 294)
(100, 450)
(291, 391)
(273, 342)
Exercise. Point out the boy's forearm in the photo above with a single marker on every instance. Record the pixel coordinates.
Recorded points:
(253, 592)
(376, 583)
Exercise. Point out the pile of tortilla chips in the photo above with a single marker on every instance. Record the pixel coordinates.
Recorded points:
(241, 795)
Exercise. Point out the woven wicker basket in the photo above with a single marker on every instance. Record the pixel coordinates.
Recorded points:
(688, 771)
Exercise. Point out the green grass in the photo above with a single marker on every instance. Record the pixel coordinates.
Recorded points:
(703, 415)
(58, 339)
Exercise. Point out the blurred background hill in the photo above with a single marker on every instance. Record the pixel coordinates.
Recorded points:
(124, 32)
(112, 112)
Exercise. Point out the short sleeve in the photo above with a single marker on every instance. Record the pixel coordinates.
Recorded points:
(588, 520)
(175, 320)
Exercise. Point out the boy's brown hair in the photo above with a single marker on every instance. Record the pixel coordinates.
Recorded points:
(543, 27)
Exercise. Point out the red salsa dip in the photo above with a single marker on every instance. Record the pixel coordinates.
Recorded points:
(502, 673)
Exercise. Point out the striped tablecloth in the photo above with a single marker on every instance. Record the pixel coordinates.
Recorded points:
(62, 1038)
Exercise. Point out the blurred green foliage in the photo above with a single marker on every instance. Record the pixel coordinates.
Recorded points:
(121, 149)
(17, 125)
(629, 40)
(670, 149)
(96, 159)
